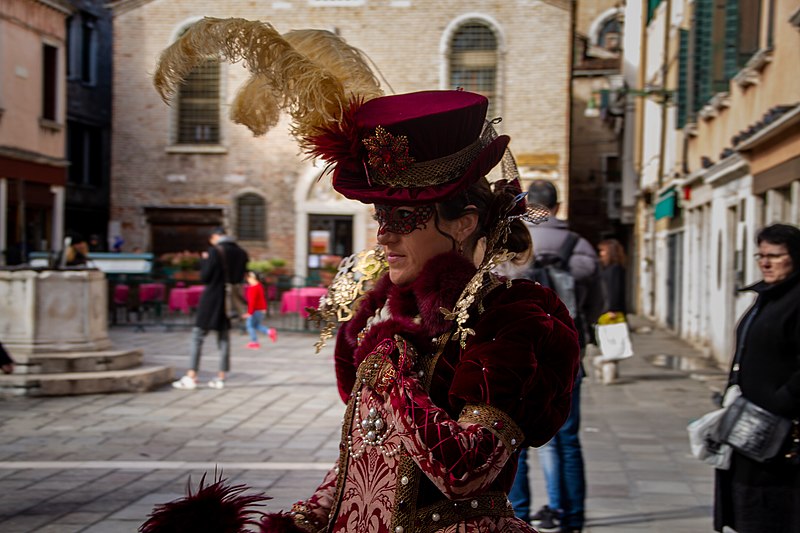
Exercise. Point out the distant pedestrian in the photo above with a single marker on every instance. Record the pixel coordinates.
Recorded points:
(256, 309)
(75, 253)
(612, 274)
(224, 262)
(561, 458)
(6, 363)
(752, 496)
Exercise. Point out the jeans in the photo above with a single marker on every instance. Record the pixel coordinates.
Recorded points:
(520, 493)
(254, 324)
(562, 465)
(223, 343)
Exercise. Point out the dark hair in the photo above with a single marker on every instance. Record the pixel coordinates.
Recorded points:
(490, 206)
(784, 234)
(543, 192)
(616, 253)
(219, 230)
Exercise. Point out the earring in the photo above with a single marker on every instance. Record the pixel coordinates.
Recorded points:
(460, 248)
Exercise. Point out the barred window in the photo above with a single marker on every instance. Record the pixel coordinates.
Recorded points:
(251, 217)
(473, 61)
(198, 105)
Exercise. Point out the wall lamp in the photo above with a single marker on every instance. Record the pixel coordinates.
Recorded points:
(607, 99)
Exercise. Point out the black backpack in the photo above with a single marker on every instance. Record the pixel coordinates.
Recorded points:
(552, 270)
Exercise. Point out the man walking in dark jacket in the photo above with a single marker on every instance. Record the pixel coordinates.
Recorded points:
(224, 262)
(561, 458)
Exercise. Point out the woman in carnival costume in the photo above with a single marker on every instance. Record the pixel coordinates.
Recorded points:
(446, 369)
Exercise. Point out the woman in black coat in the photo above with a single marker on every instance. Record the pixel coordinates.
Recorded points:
(612, 273)
(765, 497)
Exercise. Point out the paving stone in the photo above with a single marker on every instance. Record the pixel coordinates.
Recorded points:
(640, 475)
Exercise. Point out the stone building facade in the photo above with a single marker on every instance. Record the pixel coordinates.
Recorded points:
(717, 153)
(167, 190)
(33, 167)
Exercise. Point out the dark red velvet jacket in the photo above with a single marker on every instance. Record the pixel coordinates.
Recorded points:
(524, 338)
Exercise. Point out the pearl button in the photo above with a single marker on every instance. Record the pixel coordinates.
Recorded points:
(435, 517)
(514, 441)
(378, 424)
(398, 529)
(404, 480)
(474, 504)
(421, 373)
(373, 412)
(475, 412)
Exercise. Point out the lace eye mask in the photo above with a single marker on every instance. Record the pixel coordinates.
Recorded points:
(402, 220)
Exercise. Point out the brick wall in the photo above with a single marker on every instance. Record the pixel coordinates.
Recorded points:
(405, 42)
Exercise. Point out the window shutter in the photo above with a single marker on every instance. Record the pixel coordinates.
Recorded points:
(683, 75)
(702, 27)
(731, 39)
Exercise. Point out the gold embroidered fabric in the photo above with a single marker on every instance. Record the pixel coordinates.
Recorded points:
(302, 518)
(436, 171)
(496, 421)
(442, 514)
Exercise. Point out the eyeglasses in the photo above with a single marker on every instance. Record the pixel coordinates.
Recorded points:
(769, 257)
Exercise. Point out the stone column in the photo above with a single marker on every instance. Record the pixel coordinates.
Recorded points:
(3, 219)
(57, 242)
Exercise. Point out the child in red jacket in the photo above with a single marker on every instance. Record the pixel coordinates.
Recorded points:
(256, 309)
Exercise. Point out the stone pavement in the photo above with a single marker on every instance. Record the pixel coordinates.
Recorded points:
(99, 463)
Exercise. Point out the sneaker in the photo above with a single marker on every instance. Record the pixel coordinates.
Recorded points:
(185, 383)
(546, 520)
(216, 383)
(273, 334)
(253, 345)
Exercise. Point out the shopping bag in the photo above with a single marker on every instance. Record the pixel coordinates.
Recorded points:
(614, 341)
(704, 443)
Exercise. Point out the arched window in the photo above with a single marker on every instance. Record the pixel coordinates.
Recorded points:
(610, 35)
(251, 217)
(198, 105)
(473, 60)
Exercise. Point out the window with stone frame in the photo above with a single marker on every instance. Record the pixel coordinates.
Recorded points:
(473, 61)
(251, 217)
(199, 106)
(49, 82)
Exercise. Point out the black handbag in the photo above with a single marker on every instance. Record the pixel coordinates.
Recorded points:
(752, 430)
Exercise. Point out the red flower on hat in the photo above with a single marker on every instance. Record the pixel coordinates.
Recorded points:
(387, 154)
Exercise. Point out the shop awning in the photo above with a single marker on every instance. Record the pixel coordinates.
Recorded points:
(667, 201)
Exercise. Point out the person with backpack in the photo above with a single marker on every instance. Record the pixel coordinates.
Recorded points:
(568, 264)
(223, 266)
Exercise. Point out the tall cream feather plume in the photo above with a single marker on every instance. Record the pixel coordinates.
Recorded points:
(311, 74)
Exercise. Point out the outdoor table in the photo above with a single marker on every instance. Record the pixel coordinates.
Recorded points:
(121, 293)
(151, 292)
(296, 300)
(185, 299)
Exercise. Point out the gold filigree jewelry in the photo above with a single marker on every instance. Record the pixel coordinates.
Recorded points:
(350, 283)
(484, 281)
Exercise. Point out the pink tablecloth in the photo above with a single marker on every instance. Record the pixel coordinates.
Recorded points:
(296, 300)
(185, 299)
(121, 293)
(151, 292)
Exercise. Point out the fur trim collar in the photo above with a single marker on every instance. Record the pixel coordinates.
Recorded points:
(414, 308)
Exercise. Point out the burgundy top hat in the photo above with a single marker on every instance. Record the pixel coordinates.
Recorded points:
(411, 149)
